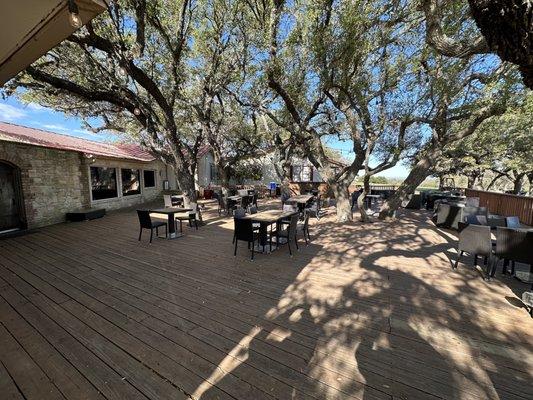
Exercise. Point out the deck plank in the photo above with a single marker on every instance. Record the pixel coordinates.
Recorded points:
(363, 312)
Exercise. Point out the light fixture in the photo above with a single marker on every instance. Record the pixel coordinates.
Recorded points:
(74, 16)
(122, 71)
(137, 111)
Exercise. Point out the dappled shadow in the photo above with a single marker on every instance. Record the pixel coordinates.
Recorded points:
(366, 311)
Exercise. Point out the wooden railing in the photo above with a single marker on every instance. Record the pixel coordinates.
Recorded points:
(505, 204)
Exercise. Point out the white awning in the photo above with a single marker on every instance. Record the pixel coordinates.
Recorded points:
(29, 28)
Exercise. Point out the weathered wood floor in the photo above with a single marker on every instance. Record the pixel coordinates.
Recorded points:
(364, 312)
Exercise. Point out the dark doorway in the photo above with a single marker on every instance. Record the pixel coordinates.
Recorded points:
(11, 203)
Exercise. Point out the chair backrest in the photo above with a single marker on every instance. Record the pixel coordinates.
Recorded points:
(253, 210)
(512, 222)
(514, 244)
(194, 207)
(168, 200)
(243, 229)
(239, 212)
(448, 215)
(293, 226)
(288, 207)
(475, 239)
(472, 201)
(496, 222)
(144, 218)
(476, 219)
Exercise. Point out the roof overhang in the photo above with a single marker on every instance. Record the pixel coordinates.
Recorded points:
(30, 28)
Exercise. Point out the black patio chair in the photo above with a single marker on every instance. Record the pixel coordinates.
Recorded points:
(244, 231)
(304, 228)
(222, 204)
(288, 233)
(514, 245)
(190, 217)
(146, 223)
(474, 240)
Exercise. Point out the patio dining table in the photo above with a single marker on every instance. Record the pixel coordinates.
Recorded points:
(170, 212)
(266, 219)
(300, 199)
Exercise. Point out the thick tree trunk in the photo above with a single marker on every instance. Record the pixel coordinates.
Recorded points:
(530, 179)
(223, 178)
(361, 199)
(342, 197)
(517, 184)
(506, 26)
(186, 185)
(418, 174)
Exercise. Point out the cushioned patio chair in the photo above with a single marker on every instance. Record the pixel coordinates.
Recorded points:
(146, 223)
(474, 240)
(512, 222)
(476, 220)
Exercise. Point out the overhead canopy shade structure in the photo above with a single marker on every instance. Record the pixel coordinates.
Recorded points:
(29, 28)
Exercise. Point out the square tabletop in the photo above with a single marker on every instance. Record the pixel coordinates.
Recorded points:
(170, 210)
(269, 216)
(236, 198)
(301, 198)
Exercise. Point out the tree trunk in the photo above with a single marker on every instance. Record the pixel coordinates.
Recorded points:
(471, 181)
(418, 174)
(361, 199)
(186, 185)
(517, 184)
(530, 179)
(342, 197)
(223, 178)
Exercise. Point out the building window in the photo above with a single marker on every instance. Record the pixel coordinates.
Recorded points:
(213, 173)
(103, 183)
(130, 182)
(302, 173)
(149, 178)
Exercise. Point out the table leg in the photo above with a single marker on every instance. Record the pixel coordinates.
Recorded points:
(172, 234)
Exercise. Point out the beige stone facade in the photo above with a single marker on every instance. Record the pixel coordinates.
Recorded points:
(54, 182)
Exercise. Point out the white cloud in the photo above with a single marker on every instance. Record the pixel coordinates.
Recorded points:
(10, 113)
(35, 107)
(54, 127)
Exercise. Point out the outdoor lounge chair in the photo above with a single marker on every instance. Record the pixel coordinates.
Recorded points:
(244, 231)
(146, 223)
(515, 245)
(474, 240)
(288, 233)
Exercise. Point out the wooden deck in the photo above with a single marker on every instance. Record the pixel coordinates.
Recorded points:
(364, 312)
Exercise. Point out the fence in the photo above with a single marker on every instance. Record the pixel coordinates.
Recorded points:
(505, 204)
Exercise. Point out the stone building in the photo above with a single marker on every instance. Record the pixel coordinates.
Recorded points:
(44, 175)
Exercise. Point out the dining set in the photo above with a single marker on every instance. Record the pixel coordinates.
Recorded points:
(175, 212)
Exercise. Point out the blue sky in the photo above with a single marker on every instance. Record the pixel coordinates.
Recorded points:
(35, 116)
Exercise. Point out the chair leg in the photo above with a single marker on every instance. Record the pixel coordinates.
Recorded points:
(166, 231)
(475, 260)
(296, 242)
(233, 240)
(253, 251)
(196, 223)
(157, 231)
(140, 234)
(458, 258)
(151, 234)
(505, 264)
(235, 251)
(512, 268)
(289, 244)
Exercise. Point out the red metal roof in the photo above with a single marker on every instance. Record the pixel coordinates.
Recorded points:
(38, 137)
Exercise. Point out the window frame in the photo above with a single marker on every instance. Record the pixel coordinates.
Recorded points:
(144, 178)
(122, 182)
(91, 183)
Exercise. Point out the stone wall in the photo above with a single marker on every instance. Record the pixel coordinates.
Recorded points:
(55, 182)
(147, 194)
(51, 181)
